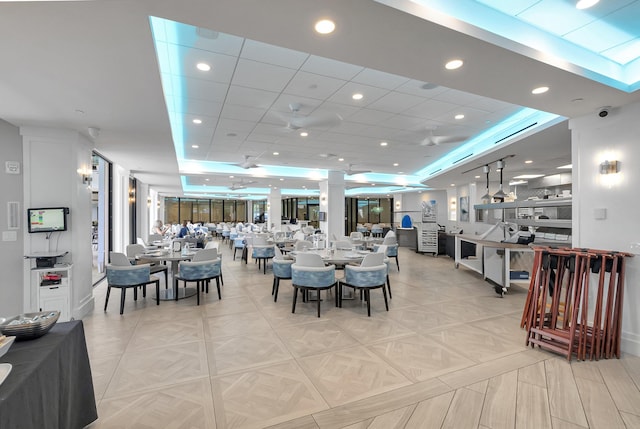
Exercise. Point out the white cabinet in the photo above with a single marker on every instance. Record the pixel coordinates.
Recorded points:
(427, 238)
(53, 287)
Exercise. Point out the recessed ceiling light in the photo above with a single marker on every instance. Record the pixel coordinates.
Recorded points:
(540, 90)
(281, 179)
(203, 66)
(304, 134)
(231, 177)
(453, 184)
(528, 161)
(373, 184)
(325, 26)
(195, 146)
(517, 182)
(383, 143)
(459, 116)
(357, 96)
(276, 153)
(395, 164)
(586, 4)
(568, 166)
(197, 121)
(340, 159)
(453, 64)
(206, 180)
(400, 172)
(477, 177)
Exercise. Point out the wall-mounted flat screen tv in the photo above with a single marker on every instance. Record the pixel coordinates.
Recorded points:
(322, 216)
(49, 219)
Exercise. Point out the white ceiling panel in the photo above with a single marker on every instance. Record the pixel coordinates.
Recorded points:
(267, 77)
(214, 41)
(396, 102)
(370, 116)
(204, 89)
(251, 97)
(370, 93)
(275, 55)
(231, 111)
(430, 109)
(420, 88)
(456, 97)
(313, 85)
(403, 122)
(198, 107)
(185, 61)
(380, 79)
(331, 68)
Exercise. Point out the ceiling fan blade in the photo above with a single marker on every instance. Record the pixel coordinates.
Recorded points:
(315, 121)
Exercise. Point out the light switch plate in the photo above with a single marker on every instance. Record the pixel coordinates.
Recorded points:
(12, 167)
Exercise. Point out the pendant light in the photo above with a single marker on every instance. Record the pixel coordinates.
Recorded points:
(500, 195)
(486, 198)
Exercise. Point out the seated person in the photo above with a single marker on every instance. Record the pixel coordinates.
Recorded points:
(184, 231)
(159, 228)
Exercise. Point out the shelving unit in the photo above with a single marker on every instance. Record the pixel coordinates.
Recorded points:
(54, 294)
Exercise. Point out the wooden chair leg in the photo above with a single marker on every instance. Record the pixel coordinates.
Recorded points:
(157, 282)
(218, 287)
(277, 287)
(384, 293)
(389, 287)
(367, 296)
(318, 302)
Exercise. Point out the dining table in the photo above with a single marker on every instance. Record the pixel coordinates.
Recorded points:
(166, 255)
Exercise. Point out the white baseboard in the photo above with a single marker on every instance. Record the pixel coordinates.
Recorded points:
(84, 308)
(630, 343)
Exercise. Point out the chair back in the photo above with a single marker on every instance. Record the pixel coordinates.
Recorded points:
(282, 268)
(372, 259)
(343, 245)
(198, 270)
(303, 245)
(205, 255)
(238, 243)
(308, 230)
(211, 245)
(278, 256)
(313, 276)
(119, 259)
(309, 260)
(299, 235)
(380, 248)
(139, 240)
(392, 250)
(128, 276)
(355, 235)
(259, 240)
(133, 250)
(375, 275)
(154, 237)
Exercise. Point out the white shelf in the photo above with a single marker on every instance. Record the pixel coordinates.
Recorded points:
(54, 296)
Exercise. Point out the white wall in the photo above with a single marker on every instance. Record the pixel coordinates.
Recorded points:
(52, 158)
(594, 140)
(412, 206)
(11, 252)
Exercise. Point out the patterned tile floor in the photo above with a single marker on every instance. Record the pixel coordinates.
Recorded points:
(448, 354)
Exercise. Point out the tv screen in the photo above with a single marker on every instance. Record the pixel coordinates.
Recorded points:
(322, 216)
(49, 219)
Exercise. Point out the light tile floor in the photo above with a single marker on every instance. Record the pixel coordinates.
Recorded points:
(448, 354)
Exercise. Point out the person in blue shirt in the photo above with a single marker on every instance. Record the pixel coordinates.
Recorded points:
(184, 231)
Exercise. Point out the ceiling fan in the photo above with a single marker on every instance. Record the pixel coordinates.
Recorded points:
(436, 140)
(296, 122)
(247, 163)
(349, 171)
(241, 184)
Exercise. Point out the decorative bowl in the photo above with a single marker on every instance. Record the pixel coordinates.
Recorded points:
(29, 326)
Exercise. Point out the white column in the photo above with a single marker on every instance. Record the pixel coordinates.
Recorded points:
(274, 210)
(332, 203)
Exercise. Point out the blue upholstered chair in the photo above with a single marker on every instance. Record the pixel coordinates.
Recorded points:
(238, 244)
(382, 248)
(200, 272)
(233, 234)
(371, 274)
(376, 230)
(281, 271)
(130, 276)
(137, 250)
(392, 252)
(262, 252)
(309, 273)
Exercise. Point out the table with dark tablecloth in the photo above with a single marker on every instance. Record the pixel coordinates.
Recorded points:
(50, 385)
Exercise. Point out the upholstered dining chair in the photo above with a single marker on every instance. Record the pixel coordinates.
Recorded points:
(302, 245)
(382, 249)
(371, 274)
(281, 271)
(343, 245)
(262, 251)
(200, 272)
(137, 250)
(130, 276)
(238, 244)
(309, 273)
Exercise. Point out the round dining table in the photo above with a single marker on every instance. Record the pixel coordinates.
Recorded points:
(169, 294)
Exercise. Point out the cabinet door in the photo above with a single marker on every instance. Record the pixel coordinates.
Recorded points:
(55, 299)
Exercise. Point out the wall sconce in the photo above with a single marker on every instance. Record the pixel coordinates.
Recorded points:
(398, 205)
(610, 167)
(132, 195)
(148, 201)
(85, 176)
